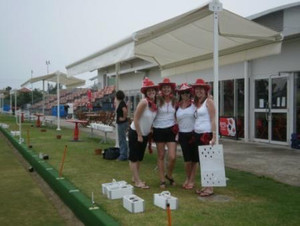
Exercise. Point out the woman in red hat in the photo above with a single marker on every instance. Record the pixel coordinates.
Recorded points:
(163, 131)
(140, 128)
(186, 120)
(205, 123)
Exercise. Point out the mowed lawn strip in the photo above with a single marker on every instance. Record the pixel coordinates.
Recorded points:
(252, 200)
(22, 202)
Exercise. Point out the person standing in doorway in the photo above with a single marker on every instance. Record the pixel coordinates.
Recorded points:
(186, 120)
(122, 124)
(205, 122)
(140, 129)
(164, 131)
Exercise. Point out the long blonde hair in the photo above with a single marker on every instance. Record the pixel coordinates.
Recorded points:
(161, 100)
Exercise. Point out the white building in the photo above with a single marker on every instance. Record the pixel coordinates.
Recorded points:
(261, 90)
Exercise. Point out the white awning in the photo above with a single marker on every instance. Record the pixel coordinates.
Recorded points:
(59, 78)
(185, 43)
(121, 51)
(63, 79)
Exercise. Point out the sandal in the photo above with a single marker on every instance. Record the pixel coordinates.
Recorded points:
(189, 187)
(171, 180)
(206, 193)
(162, 185)
(200, 191)
(141, 185)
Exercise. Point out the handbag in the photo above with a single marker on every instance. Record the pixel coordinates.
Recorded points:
(111, 153)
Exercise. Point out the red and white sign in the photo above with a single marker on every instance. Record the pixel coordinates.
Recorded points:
(227, 126)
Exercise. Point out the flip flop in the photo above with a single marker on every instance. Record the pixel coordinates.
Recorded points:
(206, 193)
(142, 186)
(162, 185)
(188, 187)
(200, 191)
(171, 180)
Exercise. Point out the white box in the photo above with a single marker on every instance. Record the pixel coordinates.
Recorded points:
(133, 203)
(117, 192)
(4, 125)
(114, 182)
(15, 133)
(162, 199)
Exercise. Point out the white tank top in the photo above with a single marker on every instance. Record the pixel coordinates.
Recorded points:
(145, 121)
(202, 122)
(186, 118)
(165, 116)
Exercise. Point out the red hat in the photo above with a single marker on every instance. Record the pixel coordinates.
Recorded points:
(202, 83)
(184, 87)
(167, 81)
(147, 83)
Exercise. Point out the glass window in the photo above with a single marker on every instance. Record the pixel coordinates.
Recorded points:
(228, 97)
(297, 102)
(240, 107)
(279, 93)
(279, 127)
(261, 93)
(261, 126)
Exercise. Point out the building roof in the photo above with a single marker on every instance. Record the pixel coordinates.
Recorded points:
(273, 10)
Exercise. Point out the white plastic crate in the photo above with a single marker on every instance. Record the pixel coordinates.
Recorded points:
(15, 133)
(162, 199)
(133, 203)
(4, 125)
(117, 192)
(114, 182)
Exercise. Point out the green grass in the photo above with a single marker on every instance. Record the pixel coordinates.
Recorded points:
(22, 202)
(253, 200)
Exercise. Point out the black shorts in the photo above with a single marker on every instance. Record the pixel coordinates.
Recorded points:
(136, 149)
(203, 138)
(188, 147)
(163, 135)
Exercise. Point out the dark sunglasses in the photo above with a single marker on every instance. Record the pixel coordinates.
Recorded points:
(185, 92)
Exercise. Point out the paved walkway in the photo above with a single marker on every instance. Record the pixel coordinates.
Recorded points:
(281, 163)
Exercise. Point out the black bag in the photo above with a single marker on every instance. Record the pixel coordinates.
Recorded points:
(111, 153)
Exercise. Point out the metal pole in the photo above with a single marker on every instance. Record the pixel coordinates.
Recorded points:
(16, 104)
(246, 101)
(48, 63)
(10, 102)
(43, 97)
(117, 88)
(215, 6)
(58, 102)
(31, 89)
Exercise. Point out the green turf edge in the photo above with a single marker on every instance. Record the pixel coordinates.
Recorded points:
(78, 202)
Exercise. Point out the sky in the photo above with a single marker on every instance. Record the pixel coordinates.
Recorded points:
(65, 31)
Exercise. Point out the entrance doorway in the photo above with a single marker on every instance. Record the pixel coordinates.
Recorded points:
(271, 109)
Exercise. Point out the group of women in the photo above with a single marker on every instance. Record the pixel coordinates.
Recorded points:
(188, 120)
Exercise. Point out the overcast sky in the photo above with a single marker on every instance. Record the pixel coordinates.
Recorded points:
(64, 31)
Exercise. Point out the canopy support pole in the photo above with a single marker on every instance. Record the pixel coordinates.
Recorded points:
(58, 101)
(215, 6)
(43, 97)
(10, 102)
(117, 68)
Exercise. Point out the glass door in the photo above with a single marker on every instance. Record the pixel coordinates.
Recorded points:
(271, 108)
